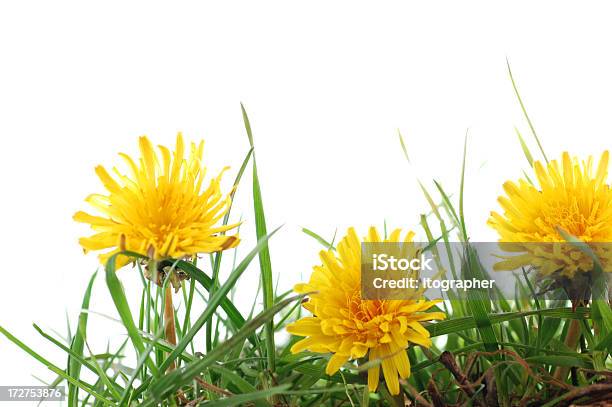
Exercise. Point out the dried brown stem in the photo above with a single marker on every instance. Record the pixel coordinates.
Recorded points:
(214, 388)
(169, 324)
(448, 360)
(571, 340)
(595, 391)
(420, 401)
(434, 394)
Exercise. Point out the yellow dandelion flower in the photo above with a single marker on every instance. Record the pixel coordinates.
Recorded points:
(351, 328)
(570, 197)
(160, 208)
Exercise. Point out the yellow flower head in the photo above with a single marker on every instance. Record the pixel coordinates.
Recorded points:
(351, 328)
(571, 197)
(159, 208)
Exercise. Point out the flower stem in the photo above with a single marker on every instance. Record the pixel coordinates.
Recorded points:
(571, 340)
(169, 324)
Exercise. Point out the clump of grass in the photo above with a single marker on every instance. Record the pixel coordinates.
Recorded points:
(492, 351)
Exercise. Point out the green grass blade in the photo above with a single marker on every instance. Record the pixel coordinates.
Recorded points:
(559, 360)
(461, 324)
(245, 399)
(461, 191)
(265, 263)
(219, 255)
(78, 341)
(524, 147)
(404, 149)
(318, 238)
(520, 100)
(123, 308)
(479, 302)
(445, 198)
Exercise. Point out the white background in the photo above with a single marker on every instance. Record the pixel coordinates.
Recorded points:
(327, 85)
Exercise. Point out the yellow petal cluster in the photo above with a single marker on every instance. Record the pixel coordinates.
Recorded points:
(159, 208)
(351, 328)
(570, 196)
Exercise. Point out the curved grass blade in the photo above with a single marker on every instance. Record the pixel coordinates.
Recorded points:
(520, 100)
(218, 256)
(265, 263)
(242, 399)
(478, 300)
(524, 147)
(78, 342)
(318, 238)
(461, 324)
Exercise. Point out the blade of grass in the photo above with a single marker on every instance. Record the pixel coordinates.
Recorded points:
(241, 399)
(461, 324)
(447, 204)
(218, 256)
(265, 263)
(318, 238)
(74, 366)
(524, 147)
(520, 100)
(461, 191)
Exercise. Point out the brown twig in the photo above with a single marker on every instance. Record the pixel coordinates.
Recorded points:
(417, 396)
(571, 340)
(518, 359)
(214, 388)
(434, 394)
(606, 373)
(448, 360)
(491, 387)
(195, 402)
(169, 323)
(594, 390)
